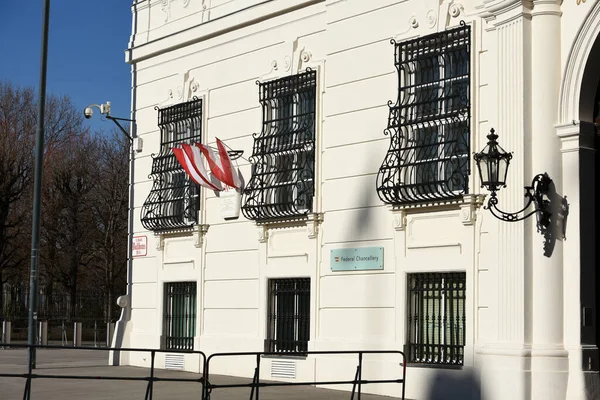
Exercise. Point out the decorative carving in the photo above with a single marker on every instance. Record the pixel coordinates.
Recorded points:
(263, 233)
(413, 22)
(274, 65)
(185, 3)
(199, 233)
(165, 6)
(194, 85)
(312, 224)
(468, 209)
(431, 18)
(580, 1)
(455, 10)
(160, 241)
(399, 221)
(305, 56)
(287, 63)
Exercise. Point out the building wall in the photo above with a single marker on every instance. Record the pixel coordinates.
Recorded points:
(219, 49)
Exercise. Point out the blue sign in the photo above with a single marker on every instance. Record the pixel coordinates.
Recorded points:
(356, 259)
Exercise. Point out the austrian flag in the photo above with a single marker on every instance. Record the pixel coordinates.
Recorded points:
(222, 175)
(220, 165)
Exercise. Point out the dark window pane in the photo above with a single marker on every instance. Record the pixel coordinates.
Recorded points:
(436, 318)
(179, 320)
(282, 183)
(429, 125)
(174, 199)
(289, 315)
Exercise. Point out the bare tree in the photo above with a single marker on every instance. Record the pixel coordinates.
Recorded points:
(17, 125)
(68, 222)
(110, 215)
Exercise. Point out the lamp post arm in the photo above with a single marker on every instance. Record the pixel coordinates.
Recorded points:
(534, 194)
(492, 205)
(116, 121)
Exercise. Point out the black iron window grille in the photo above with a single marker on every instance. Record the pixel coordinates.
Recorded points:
(436, 318)
(289, 315)
(429, 125)
(174, 199)
(179, 322)
(283, 156)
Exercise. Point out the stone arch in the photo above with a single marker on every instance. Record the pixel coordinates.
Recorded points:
(578, 86)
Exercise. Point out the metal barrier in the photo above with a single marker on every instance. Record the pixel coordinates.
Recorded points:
(204, 380)
(256, 384)
(29, 376)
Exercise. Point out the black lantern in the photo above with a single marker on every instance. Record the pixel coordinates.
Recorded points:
(492, 164)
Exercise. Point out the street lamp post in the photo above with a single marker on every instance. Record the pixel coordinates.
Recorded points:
(37, 191)
(135, 144)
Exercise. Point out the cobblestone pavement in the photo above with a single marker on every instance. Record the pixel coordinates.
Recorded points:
(93, 363)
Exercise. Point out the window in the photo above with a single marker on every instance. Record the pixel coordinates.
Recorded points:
(289, 315)
(179, 323)
(282, 183)
(174, 199)
(436, 318)
(429, 125)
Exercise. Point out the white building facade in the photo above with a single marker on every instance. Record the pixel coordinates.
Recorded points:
(362, 223)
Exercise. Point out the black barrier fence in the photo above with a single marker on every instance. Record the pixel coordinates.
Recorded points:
(206, 386)
(357, 382)
(30, 375)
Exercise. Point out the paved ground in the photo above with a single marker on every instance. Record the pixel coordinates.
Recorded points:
(93, 363)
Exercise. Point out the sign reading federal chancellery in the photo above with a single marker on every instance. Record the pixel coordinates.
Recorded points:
(356, 259)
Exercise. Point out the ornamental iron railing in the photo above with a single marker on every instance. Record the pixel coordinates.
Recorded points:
(179, 319)
(429, 125)
(289, 315)
(436, 318)
(283, 156)
(174, 199)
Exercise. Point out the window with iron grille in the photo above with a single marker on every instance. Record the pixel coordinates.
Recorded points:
(174, 199)
(429, 125)
(436, 318)
(283, 156)
(289, 315)
(179, 323)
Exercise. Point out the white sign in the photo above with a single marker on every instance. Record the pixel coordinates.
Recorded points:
(231, 202)
(139, 246)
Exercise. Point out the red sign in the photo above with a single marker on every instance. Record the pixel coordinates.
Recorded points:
(139, 246)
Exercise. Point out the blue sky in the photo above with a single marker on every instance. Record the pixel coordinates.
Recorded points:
(86, 53)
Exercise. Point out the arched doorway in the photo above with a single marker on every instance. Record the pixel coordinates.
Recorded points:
(589, 175)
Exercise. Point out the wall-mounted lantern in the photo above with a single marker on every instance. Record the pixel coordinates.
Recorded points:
(492, 164)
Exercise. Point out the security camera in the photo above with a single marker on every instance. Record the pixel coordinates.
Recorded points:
(88, 112)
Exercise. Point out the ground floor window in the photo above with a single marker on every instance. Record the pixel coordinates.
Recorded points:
(289, 315)
(179, 322)
(436, 318)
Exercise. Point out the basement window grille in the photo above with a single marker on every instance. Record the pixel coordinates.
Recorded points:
(436, 318)
(289, 315)
(429, 125)
(283, 156)
(174, 199)
(179, 323)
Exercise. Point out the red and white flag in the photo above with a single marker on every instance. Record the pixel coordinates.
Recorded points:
(220, 165)
(190, 159)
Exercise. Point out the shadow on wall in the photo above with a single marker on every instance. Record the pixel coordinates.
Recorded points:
(455, 385)
(557, 223)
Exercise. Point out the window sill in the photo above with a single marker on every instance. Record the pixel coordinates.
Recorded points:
(434, 366)
(283, 356)
(197, 231)
(311, 221)
(468, 205)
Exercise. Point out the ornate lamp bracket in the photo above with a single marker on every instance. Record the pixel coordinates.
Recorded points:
(536, 194)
